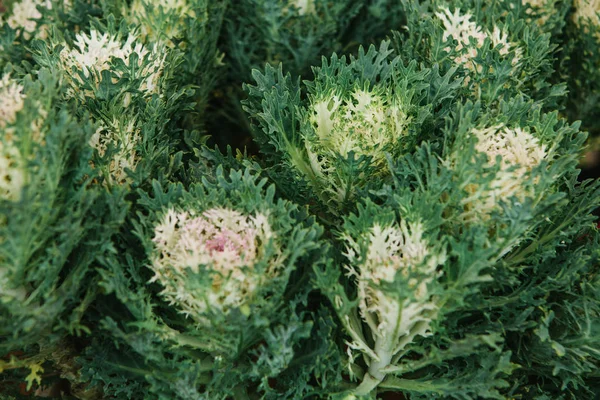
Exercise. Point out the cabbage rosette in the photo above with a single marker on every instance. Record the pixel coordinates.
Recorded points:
(335, 131)
(227, 250)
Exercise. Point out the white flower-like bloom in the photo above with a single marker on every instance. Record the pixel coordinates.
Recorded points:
(398, 250)
(304, 7)
(516, 147)
(12, 100)
(587, 14)
(225, 242)
(153, 24)
(25, 15)
(124, 135)
(519, 153)
(461, 28)
(12, 176)
(365, 123)
(93, 54)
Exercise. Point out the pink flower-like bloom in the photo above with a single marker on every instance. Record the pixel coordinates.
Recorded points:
(225, 242)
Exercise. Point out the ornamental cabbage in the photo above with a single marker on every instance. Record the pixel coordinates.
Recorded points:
(495, 50)
(402, 217)
(581, 41)
(108, 70)
(224, 257)
(228, 243)
(335, 141)
(50, 210)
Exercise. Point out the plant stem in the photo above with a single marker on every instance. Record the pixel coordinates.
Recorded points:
(368, 384)
(384, 348)
(413, 385)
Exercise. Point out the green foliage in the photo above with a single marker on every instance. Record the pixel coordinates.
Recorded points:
(295, 33)
(393, 207)
(581, 65)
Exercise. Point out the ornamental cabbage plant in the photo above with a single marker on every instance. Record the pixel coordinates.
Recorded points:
(107, 70)
(24, 21)
(582, 43)
(333, 133)
(494, 48)
(444, 239)
(54, 222)
(394, 206)
(296, 33)
(226, 257)
(86, 66)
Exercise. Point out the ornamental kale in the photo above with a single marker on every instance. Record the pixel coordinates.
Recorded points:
(443, 238)
(309, 199)
(213, 307)
(582, 43)
(55, 221)
(354, 114)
